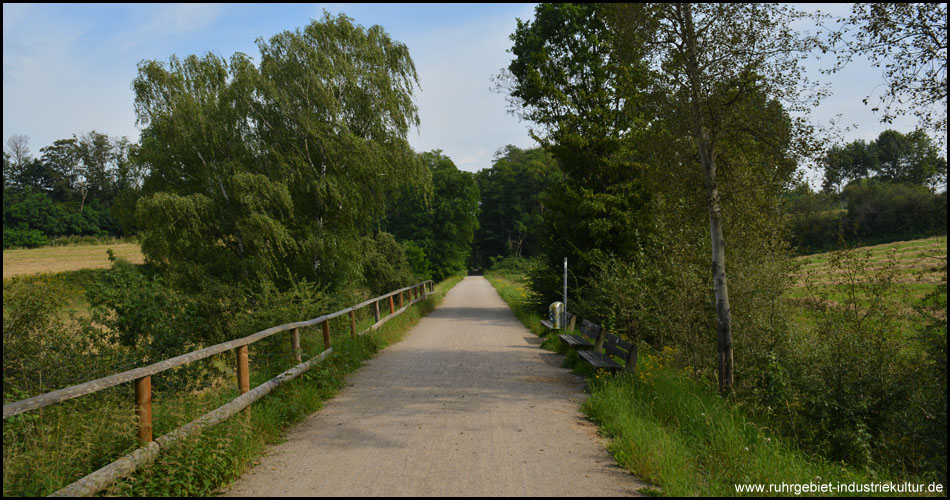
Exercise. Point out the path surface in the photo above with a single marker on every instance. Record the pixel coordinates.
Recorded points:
(467, 404)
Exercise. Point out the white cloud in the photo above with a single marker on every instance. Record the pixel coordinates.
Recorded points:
(459, 115)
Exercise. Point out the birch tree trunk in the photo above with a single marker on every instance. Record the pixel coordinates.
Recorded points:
(707, 156)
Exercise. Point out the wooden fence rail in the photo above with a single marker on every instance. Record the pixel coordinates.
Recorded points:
(100, 479)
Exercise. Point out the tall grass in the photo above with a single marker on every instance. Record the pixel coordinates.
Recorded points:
(675, 431)
(679, 434)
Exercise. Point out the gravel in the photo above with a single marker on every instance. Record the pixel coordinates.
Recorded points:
(466, 404)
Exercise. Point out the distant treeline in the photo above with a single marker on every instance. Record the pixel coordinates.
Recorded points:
(81, 186)
(876, 192)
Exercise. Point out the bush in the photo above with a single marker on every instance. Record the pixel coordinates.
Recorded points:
(385, 267)
(812, 232)
(44, 350)
(881, 210)
(23, 238)
(852, 385)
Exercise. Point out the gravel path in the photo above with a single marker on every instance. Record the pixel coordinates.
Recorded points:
(466, 405)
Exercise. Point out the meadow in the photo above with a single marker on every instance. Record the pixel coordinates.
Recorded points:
(57, 259)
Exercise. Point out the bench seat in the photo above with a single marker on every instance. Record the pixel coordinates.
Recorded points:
(599, 360)
(576, 341)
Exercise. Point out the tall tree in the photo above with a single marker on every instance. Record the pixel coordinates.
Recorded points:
(843, 164)
(276, 171)
(586, 107)
(511, 211)
(16, 158)
(892, 157)
(442, 225)
(62, 159)
(709, 60)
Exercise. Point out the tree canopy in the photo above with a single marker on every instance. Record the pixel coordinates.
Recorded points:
(276, 170)
(588, 106)
(511, 211)
(893, 157)
(438, 229)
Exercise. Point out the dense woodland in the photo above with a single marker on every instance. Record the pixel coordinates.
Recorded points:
(670, 158)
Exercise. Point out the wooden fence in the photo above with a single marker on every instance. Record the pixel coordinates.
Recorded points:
(142, 377)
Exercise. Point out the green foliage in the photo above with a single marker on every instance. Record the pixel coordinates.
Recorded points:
(676, 433)
(895, 210)
(43, 348)
(442, 226)
(851, 380)
(70, 190)
(565, 79)
(893, 157)
(418, 262)
(37, 211)
(932, 398)
(877, 212)
(385, 266)
(23, 238)
(510, 211)
(152, 320)
(271, 171)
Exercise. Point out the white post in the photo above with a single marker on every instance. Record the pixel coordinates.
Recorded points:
(564, 319)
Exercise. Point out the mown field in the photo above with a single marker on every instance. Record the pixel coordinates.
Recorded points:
(56, 259)
(896, 276)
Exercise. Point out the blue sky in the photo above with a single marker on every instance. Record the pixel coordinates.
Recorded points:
(67, 69)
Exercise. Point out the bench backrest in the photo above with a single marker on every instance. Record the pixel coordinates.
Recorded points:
(612, 344)
(590, 330)
(616, 346)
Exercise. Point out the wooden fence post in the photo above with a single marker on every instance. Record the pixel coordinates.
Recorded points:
(353, 324)
(376, 311)
(391, 308)
(295, 344)
(400, 299)
(243, 374)
(143, 408)
(326, 334)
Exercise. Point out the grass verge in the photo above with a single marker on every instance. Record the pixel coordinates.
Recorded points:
(676, 432)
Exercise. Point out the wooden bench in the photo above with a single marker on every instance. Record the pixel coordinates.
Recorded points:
(570, 322)
(587, 338)
(613, 346)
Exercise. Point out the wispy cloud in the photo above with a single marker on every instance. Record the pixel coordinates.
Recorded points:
(160, 22)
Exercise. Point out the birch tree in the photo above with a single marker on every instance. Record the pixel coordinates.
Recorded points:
(276, 170)
(706, 62)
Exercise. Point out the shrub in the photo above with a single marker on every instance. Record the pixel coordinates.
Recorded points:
(43, 349)
(22, 237)
(385, 267)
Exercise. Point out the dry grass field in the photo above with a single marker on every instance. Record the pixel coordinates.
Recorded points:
(57, 259)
